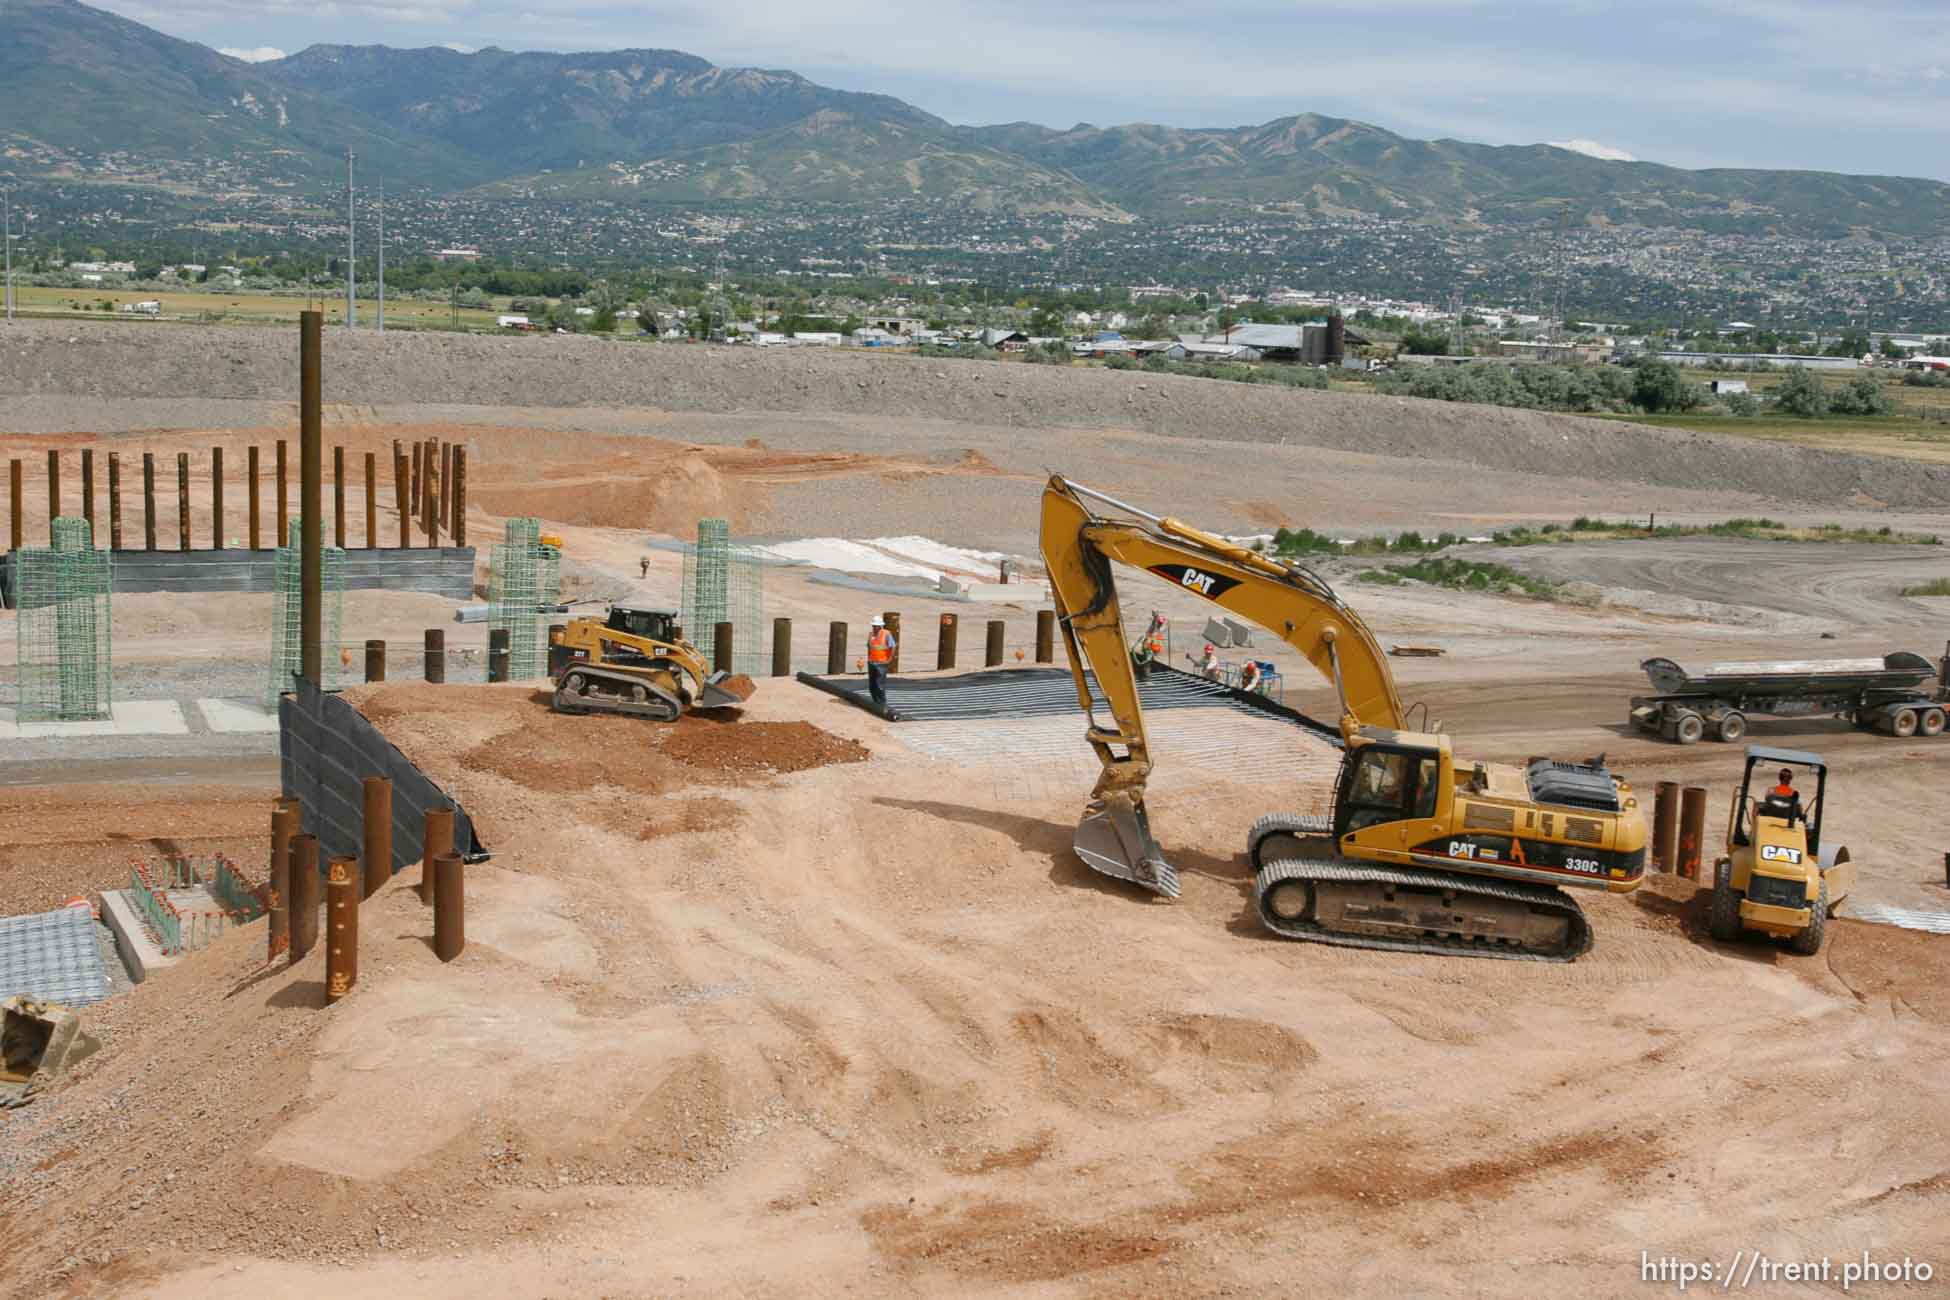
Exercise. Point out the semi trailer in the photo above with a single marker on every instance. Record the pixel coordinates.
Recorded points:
(1900, 694)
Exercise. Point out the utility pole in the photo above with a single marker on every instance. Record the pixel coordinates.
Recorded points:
(382, 255)
(7, 238)
(351, 255)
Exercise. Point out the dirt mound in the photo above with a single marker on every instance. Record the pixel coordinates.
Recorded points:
(743, 748)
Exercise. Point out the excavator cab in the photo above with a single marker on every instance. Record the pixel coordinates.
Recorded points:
(1387, 781)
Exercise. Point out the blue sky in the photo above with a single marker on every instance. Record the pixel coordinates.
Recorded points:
(1856, 87)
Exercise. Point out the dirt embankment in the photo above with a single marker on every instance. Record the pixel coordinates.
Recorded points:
(73, 359)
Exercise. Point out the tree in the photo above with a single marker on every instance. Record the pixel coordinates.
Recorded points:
(1861, 395)
(1802, 394)
(604, 321)
(1891, 350)
(1661, 386)
(1422, 343)
(1852, 343)
(1047, 323)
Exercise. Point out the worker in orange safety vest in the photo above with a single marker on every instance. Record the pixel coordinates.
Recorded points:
(880, 656)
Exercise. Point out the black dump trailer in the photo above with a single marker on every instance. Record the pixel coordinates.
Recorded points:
(1900, 694)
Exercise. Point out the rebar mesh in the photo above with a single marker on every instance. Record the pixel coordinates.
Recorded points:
(724, 583)
(62, 636)
(524, 576)
(287, 614)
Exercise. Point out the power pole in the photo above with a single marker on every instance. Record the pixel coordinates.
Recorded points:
(351, 253)
(382, 255)
(7, 238)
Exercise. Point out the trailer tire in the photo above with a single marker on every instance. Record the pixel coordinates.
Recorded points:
(1688, 728)
(1903, 723)
(1931, 722)
(1732, 727)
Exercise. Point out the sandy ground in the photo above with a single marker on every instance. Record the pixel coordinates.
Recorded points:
(793, 983)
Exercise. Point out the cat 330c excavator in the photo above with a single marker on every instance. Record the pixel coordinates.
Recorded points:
(1422, 852)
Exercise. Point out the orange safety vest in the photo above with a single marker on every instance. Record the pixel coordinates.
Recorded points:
(880, 646)
(1784, 792)
(1156, 644)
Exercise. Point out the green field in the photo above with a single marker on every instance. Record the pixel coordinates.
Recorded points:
(250, 308)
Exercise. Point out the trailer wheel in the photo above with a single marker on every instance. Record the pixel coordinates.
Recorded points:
(1689, 728)
(1903, 724)
(1931, 722)
(1732, 727)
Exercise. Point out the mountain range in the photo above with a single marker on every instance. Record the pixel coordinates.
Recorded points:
(95, 96)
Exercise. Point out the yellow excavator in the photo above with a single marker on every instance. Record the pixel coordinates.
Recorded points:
(1422, 852)
(636, 662)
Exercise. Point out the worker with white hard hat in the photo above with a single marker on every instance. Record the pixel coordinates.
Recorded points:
(880, 657)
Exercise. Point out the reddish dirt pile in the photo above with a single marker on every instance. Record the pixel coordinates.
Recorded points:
(758, 748)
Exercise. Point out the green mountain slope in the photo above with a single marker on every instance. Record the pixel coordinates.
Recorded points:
(91, 93)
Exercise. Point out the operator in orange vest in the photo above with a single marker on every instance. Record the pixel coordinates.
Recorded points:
(1784, 797)
(880, 655)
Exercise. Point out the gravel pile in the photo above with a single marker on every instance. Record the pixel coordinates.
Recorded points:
(62, 359)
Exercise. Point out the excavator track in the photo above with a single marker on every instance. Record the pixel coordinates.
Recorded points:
(587, 689)
(1299, 826)
(1403, 909)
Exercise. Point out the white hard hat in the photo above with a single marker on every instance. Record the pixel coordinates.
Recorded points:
(878, 621)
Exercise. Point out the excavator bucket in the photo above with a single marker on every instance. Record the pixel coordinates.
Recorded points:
(1114, 839)
(726, 691)
(36, 1039)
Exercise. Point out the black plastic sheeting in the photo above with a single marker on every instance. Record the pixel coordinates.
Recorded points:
(441, 570)
(327, 748)
(1045, 692)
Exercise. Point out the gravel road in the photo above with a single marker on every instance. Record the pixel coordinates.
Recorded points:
(1848, 584)
(113, 360)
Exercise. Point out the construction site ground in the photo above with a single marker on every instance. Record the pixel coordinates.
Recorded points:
(810, 1000)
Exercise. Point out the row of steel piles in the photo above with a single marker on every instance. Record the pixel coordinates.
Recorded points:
(1678, 829)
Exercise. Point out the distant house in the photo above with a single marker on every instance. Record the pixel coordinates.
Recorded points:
(821, 338)
(895, 324)
(458, 255)
(1721, 387)
(1005, 340)
(1293, 343)
(513, 322)
(1553, 352)
(148, 308)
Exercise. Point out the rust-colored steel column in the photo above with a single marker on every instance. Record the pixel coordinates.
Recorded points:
(284, 825)
(781, 647)
(436, 655)
(372, 500)
(497, 665)
(311, 429)
(342, 898)
(377, 855)
(894, 626)
(944, 653)
(88, 493)
(449, 907)
(430, 507)
(216, 498)
(338, 497)
(721, 648)
(251, 493)
(278, 530)
(436, 839)
(182, 501)
(1045, 636)
(304, 895)
(1692, 830)
(114, 501)
(402, 499)
(375, 661)
(996, 634)
(419, 456)
(447, 487)
(53, 492)
(1665, 826)
(148, 501)
(457, 532)
(835, 649)
(16, 505)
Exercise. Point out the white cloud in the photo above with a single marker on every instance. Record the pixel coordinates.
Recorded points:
(1592, 149)
(262, 54)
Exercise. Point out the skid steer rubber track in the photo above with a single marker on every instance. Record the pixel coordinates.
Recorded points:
(610, 692)
(1298, 825)
(1433, 891)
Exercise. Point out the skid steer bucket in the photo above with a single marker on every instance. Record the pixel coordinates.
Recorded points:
(35, 1039)
(725, 691)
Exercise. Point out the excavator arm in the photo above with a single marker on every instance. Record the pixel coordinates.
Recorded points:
(1078, 546)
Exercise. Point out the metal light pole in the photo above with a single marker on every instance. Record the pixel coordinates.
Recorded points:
(351, 252)
(382, 255)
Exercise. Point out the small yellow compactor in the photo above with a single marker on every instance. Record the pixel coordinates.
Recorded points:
(1778, 877)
